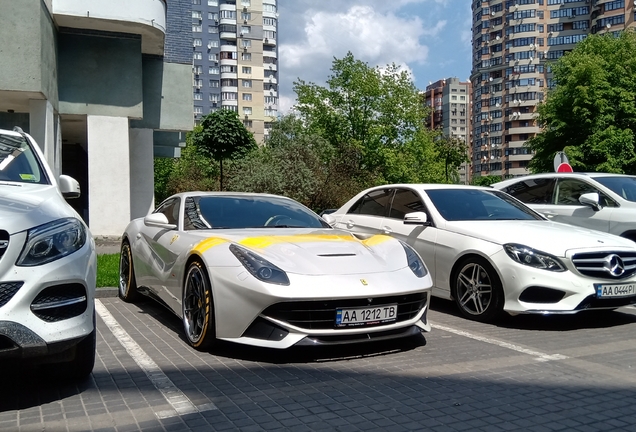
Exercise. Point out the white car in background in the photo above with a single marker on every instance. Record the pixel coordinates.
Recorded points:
(491, 253)
(47, 263)
(599, 201)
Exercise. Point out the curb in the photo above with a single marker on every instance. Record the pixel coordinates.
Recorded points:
(107, 292)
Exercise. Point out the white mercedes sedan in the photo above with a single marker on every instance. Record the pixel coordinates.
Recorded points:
(491, 253)
(265, 270)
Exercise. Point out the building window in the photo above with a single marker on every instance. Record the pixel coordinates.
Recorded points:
(197, 15)
(246, 29)
(213, 2)
(213, 57)
(198, 96)
(231, 108)
(214, 83)
(247, 83)
(229, 96)
(198, 83)
(213, 44)
(197, 42)
(197, 69)
(228, 14)
(213, 29)
(214, 97)
(247, 123)
(247, 96)
(197, 28)
(196, 2)
(213, 70)
(228, 69)
(197, 55)
(198, 110)
(246, 56)
(246, 16)
(247, 110)
(213, 16)
(246, 43)
(246, 69)
(269, 22)
(246, 2)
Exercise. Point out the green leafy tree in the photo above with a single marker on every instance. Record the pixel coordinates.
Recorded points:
(453, 152)
(591, 113)
(376, 112)
(163, 168)
(194, 170)
(223, 136)
(485, 180)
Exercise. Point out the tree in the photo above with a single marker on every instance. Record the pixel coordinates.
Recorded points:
(223, 136)
(453, 152)
(376, 111)
(485, 180)
(591, 113)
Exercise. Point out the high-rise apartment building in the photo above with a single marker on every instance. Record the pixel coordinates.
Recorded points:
(449, 100)
(513, 44)
(235, 60)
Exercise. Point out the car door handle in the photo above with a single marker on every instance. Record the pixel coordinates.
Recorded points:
(138, 236)
(350, 224)
(387, 230)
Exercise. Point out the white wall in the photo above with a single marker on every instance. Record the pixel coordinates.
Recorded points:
(142, 180)
(42, 129)
(108, 175)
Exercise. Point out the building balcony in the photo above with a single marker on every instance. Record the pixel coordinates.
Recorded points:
(229, 103)
(146, 18)
(271, 80)
(270, 66)
(229, 62)
(229, 21)
(269, 41)
(229, 89)
(517, 171)
(268, 53)
(228, 48)
(515, 144)
(229, 75)
(524, 130)
(519, 157)
(227, 35)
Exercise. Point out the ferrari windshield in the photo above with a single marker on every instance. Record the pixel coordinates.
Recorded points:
(622, 185)
(247, 211)
(479, 204)
(18, 161)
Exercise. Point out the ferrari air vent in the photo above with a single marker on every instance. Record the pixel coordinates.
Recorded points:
(606, 265)
(60, 302)
(4, 242)
(8, 290)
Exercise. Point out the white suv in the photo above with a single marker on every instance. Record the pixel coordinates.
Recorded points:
(47, 263)
(600, 201)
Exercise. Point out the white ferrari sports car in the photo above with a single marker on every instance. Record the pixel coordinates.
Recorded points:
(264, 270)
(47, 263)
(491, 253)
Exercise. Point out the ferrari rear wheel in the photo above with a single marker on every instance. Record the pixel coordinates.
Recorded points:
(198, 308)
(477, 291)
(127, 283)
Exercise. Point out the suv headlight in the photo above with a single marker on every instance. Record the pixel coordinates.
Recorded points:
(414, 261)
(260, 268)
(52, 241)
(533, 258)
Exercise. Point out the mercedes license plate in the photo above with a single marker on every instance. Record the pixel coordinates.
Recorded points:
(366, 316)
(615, 290)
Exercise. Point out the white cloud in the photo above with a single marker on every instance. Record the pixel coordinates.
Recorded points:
(373, 31)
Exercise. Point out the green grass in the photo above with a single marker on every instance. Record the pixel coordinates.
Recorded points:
(107, 270)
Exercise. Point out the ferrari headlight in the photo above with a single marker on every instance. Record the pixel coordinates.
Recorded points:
(52, 241)
(260, 268)
(414, 261)
(533, 258)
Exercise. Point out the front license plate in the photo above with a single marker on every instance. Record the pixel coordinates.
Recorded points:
(615, 290)
(366, 316)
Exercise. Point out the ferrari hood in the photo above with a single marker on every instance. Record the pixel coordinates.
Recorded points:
(551, 237)
(23, 206)
(318, 252)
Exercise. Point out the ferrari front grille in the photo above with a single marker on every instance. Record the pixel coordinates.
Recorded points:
(8, 290)
(321, 314)
(60, 302)
(606, 265)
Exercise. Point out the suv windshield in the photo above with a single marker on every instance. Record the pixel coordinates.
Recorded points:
(621, 185)
(18, 161)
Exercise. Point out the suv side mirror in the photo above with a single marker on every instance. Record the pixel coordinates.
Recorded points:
(69, 187)
(591, 199)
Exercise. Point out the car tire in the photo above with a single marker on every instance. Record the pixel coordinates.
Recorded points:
(127, 282)
(198, 308)
(477, 290)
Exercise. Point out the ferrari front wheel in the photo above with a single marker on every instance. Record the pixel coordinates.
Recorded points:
(198, 309)
(127, 283)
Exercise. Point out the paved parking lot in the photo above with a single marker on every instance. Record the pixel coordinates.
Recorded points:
(570, 373)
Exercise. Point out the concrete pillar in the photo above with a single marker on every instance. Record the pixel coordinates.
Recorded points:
(42, 129)
(108, 174)
(142, 180)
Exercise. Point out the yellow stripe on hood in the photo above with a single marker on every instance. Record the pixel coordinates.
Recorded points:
(266, 241)
(208, 243)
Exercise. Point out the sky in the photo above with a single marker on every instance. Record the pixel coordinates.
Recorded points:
(428, 38)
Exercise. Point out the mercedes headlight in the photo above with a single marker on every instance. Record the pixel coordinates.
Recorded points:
(52, 241)
(260, 268)
(533, 258)
(414, 261)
